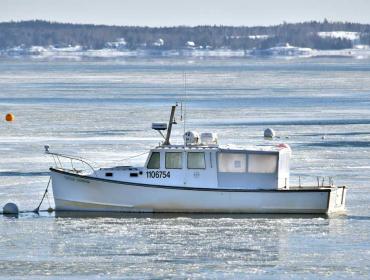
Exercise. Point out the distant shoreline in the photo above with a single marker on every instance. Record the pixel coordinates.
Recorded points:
(308, 39)
(77, 53)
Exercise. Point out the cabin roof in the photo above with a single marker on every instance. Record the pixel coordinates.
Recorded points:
(228, 148)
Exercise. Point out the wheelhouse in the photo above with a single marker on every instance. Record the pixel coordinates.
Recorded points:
(220, 168)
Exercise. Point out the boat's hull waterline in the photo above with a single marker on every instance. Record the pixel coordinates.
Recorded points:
(74, 192)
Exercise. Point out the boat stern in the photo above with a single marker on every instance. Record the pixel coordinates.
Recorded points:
(337, 199)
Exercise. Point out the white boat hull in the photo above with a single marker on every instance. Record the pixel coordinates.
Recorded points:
(74, 192)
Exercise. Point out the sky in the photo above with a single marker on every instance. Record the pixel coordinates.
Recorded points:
(185, 12)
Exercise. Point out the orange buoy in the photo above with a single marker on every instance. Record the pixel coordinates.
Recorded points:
(9, 117)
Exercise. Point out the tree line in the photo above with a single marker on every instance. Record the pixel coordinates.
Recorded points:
(44, 33)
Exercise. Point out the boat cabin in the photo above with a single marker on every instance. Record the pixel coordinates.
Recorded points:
(210, 167)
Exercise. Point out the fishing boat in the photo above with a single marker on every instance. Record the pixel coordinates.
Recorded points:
(199, 176)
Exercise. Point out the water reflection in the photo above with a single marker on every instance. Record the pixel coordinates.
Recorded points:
(138, 243)
(123, 215)
(11, 216)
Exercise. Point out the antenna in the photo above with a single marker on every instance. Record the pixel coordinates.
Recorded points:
(184, 100)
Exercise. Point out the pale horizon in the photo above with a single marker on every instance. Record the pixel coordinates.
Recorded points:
(170, 26)
(166, 13)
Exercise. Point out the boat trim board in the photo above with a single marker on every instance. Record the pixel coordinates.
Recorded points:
(187, 188)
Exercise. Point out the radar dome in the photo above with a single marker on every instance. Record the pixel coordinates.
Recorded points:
(191, 138)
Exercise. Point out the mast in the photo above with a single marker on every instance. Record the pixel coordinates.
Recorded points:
(185, 92)
(168, 135)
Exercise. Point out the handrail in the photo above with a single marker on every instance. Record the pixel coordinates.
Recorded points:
(84, 161)
(321, 181)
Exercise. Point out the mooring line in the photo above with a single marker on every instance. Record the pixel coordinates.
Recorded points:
(37, 210)
(12, 209)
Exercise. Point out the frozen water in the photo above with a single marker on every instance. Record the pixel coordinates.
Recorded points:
(103, 110)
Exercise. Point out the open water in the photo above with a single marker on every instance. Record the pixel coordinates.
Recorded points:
(103, 109)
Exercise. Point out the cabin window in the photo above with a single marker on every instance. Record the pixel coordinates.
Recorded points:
(258, 163)
(154, 161)
(196, 160)
(232, 162)
(173, 160)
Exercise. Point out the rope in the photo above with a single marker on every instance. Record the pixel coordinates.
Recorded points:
(37, 210)
(130, 157)
(26, 211)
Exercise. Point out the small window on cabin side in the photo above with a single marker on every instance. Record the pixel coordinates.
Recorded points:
(196, 160)
(232, 162)
(154, 161)
(173, 160)
(258, 163)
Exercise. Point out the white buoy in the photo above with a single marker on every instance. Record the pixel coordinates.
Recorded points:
(269, 133)
(10, 208)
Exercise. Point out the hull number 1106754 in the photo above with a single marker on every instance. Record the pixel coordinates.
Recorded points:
(158, 174)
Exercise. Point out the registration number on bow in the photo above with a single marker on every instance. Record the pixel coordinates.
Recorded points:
(158, 174)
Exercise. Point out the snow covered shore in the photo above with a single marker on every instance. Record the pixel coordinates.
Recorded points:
(78, 52)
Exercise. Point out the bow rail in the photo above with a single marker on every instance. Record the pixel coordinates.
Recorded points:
(72, 159)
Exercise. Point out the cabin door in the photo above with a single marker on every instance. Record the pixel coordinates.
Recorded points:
(199, 170)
